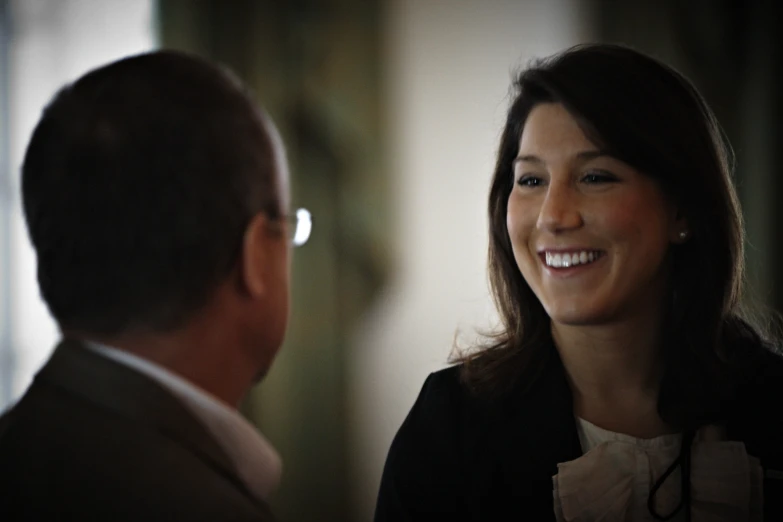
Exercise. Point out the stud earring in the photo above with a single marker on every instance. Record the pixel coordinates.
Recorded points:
(684, 235)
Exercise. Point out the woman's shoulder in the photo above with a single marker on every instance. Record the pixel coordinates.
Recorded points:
(771, 360)
(454, 407)
(445, 385)
(447, 417)
(760, 365)
(444, 398)
(763, 379)
(426, 451)
(753, 415)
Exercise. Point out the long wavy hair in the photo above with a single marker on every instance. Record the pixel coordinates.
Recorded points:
(651, 117)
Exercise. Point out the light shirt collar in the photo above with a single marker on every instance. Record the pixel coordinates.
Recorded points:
(255, 460)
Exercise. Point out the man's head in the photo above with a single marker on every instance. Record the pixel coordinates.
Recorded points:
(151, 186)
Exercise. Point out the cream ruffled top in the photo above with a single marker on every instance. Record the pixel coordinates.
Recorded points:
(612, 480)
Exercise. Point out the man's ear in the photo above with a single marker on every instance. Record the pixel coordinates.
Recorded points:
(253, 259)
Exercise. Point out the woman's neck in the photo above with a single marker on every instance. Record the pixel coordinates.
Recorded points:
(615, 372)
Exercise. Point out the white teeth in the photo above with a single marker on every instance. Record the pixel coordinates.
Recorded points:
(567, 260)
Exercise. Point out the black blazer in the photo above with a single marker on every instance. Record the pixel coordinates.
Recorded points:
(459, 458)
(94, 440)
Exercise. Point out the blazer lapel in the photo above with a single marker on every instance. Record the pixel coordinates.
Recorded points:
(539, 434)
(76, 370)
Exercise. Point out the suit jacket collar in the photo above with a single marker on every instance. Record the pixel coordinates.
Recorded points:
(554, 438)
(536, 431)
(120, 390)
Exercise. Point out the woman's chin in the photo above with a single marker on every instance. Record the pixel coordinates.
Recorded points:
(570, 315)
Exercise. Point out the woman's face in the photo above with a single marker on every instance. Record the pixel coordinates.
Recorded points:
(590, 234)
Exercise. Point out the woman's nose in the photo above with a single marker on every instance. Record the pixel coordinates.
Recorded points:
(560, 209)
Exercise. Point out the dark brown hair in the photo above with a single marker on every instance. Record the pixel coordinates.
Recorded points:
(138, 183)
(651, 117)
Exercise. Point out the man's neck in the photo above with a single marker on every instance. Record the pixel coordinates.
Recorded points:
(205, 360)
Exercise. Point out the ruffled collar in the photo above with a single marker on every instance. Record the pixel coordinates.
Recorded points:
(611, 481)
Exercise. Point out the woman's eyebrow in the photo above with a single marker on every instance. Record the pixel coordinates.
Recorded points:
(584, 155)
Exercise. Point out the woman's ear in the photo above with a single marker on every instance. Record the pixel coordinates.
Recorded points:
(681, 232)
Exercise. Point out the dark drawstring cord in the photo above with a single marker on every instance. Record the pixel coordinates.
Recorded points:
(684, 461)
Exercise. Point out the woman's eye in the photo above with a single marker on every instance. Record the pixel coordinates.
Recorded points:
(530, 181)
(599, 177)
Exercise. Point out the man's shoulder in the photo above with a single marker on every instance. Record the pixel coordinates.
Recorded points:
(116, 448)
(106, 499)
(98, 463)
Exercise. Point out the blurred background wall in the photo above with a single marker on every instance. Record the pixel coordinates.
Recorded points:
(43, 44)
(391, 110)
